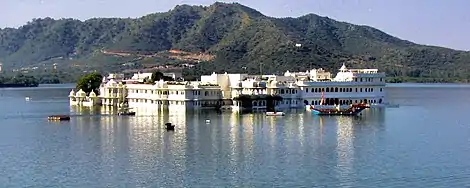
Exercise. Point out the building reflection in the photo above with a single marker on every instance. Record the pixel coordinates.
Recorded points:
(300, 130)
(351, 131)
(142, 139)
(84, 111)
(271, 130)
(317, 132)
(238, 141)
(345, 150)
(244, 134)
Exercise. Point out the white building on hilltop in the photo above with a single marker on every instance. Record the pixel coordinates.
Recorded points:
(238, 91)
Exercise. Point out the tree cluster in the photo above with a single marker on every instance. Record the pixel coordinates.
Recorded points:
(90, 82)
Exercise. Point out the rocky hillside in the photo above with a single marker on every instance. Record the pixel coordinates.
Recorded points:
(223, 38)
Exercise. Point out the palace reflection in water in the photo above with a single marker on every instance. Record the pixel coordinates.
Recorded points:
(231, 149)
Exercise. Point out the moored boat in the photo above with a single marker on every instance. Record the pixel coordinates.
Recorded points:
(59, 117)
(169, 127)
(126, 113)
(275, 113)
(352, 110)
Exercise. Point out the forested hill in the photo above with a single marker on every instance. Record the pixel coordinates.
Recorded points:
(222, 38)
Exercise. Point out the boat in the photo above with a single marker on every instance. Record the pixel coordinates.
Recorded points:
(126, 112)
(59, 117)
(352, 110)
(275, 113)
(169, 127)
(345, 110)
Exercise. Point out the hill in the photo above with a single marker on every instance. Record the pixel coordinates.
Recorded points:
(222, 38)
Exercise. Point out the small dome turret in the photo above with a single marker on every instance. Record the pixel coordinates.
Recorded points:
(111, 83)
(343, 68)
(72, 93)
(80, 93)
(274, 83)
(92, 94)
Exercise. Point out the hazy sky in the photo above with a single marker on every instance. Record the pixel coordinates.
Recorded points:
(435, 22)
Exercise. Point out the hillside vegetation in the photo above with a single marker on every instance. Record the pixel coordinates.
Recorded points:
(222, 38)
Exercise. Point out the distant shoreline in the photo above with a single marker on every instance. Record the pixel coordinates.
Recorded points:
(17, 85)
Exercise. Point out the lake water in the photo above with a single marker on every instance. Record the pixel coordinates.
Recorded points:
(423, 143)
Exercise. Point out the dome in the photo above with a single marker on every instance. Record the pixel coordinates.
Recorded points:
(80, 93)
(72, 93)
(111, 83)
(343, 68)
(274, 83)
(92, 94)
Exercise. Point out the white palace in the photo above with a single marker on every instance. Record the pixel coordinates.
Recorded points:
(296, 89)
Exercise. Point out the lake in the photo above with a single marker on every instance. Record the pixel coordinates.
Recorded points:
(423, 143)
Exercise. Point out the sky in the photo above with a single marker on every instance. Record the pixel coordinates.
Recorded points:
(432, 22)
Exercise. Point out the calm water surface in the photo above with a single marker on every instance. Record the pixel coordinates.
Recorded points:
(424, 143)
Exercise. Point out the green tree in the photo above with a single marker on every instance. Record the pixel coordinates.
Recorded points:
(157, 76)
(90, 82)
